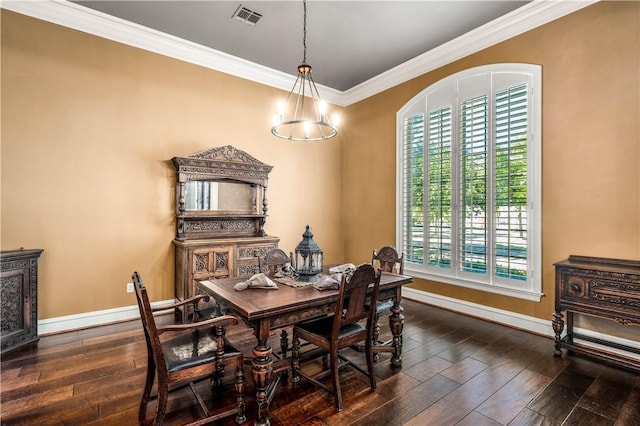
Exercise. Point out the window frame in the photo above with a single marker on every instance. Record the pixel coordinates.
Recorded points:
(447, 92)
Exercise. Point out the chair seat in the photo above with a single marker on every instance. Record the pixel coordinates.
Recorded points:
(322, 328)
(190, 350)
(206, 313)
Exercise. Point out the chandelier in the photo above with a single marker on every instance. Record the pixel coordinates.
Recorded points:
(303, 116)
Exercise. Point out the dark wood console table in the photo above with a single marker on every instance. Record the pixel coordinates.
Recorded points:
(606, 288)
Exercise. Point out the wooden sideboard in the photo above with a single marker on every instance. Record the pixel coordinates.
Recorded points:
(221, 209)
(600, 287)
(19, 298)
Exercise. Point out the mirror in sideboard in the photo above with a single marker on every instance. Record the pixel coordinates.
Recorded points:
(220, 193)
(202, 195)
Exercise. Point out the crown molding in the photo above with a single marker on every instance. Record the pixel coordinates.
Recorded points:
(80, 18)
(523, 19)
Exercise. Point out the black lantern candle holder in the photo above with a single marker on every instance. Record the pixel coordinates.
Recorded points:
(308, 258)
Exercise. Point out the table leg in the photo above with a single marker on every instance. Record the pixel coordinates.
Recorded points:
(396, 323)
(558, 327)
(262, 375)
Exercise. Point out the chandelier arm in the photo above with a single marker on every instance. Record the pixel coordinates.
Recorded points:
(298, 111)
(316, 99)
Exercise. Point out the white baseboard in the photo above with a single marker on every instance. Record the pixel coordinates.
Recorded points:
(512, 319)
(92, 319)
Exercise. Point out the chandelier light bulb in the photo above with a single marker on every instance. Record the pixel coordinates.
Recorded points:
(282, 105)
(335, 120)
(307, 128)
(322, 108)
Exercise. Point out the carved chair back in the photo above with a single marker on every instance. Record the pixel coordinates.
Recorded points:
(388, 260)
(273, 261)
(353, 301)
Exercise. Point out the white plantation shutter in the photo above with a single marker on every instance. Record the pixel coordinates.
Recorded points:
(510, 208)
(412, 244)
(468, 200)
(439, 188)
(473, 182)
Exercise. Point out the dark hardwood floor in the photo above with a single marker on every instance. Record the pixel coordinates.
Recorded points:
(456, 370)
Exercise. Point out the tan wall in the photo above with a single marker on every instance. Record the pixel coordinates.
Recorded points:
(88, 129)
(590, 146)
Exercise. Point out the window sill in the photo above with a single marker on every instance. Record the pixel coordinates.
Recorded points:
(504, 291)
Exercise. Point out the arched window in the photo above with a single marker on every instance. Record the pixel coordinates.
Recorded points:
(469, 180)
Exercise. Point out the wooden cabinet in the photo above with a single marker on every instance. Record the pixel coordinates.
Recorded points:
(19, 298)
(221, 209)
(201, 260)
(606, 288)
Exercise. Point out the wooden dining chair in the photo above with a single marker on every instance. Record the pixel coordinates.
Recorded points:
(333, 333)
(273, 262)
(192, 353)
(387, 259)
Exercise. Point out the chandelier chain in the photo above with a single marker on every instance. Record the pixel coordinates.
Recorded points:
(304, 33)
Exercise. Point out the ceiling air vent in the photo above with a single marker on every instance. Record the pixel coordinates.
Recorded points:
(247, 16)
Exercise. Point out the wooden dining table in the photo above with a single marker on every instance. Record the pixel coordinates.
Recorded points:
(267, 310)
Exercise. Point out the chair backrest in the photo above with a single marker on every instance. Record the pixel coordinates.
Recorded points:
(273, 261)
(388, 260)
(148, 323)
(353, 300)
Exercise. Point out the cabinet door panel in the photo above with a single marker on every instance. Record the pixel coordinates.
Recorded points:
(212, 262)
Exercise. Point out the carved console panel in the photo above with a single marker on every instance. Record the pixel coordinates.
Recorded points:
(606, 288)
(19, 298)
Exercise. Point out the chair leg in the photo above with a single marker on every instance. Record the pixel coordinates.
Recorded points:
(216, 382)
(161, 409)
(376, 335)
(284, 343)
(336, 381)
(370, 360)
(146, 393)
(239, 384)
(295, 362)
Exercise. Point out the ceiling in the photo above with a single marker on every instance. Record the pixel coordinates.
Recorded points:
(348, 42)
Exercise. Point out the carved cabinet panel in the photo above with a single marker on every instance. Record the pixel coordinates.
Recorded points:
(201, 260)
(212, 262)
(19, 298)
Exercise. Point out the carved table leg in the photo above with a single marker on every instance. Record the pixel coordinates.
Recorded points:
(558, 326)
(262, 376)
(396, 323)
